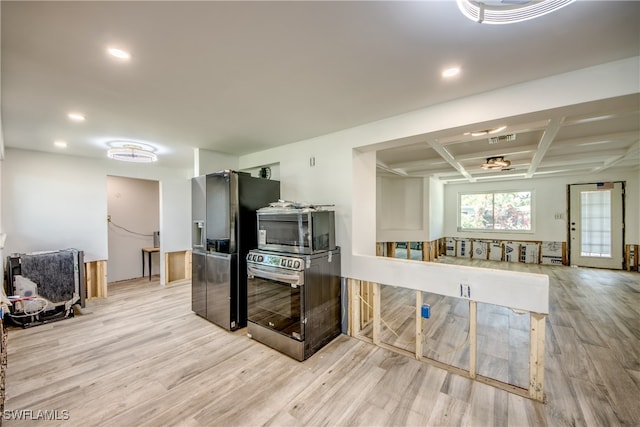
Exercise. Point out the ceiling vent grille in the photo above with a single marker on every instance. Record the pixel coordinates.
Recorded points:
(502, 138)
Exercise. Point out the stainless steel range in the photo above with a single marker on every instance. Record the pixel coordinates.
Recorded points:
(293, 300)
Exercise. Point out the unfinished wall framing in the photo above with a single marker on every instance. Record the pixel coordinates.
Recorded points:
(365, 323)
(177, 267)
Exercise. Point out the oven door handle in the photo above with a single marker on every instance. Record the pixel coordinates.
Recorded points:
(293, 279)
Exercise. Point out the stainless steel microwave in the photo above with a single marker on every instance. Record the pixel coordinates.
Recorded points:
(296, 230)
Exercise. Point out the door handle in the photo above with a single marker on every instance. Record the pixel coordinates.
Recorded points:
(573, 229)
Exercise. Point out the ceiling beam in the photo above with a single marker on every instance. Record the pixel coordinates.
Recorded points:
(545, 142)
(632, 151)
(445, 154)
(396, 171)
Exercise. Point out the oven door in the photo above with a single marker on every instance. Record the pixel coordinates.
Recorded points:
(276, 300)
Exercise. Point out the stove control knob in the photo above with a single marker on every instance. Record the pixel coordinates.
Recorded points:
(289, 263)
(283, 262)
(296, 264)
(260, 258)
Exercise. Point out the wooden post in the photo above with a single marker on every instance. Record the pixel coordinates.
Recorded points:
(408, 250)
(473, 339)
(536, 356)
(426, 251)
(354, 304)
(379, 249)
(419, 322)
(96, 279)
(391, 249)
(376, 313)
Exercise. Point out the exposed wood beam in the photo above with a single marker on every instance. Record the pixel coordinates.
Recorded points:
(445, 154)
(545, 142)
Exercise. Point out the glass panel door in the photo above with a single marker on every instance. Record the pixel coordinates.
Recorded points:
(596, 226)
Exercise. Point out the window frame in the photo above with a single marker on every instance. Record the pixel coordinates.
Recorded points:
(459, 227)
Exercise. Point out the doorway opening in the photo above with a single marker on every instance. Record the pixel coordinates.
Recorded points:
(133, 215)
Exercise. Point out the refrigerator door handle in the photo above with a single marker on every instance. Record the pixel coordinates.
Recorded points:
(219, 255)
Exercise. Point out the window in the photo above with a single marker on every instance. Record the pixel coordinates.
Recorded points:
(595, 216)
(508, 211)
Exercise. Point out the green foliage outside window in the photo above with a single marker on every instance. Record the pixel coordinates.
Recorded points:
(495, 211)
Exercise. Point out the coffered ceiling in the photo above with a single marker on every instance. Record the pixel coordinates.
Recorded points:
(581, 139)
(239, 77)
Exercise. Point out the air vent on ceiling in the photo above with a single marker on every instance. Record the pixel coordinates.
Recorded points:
(502, 138)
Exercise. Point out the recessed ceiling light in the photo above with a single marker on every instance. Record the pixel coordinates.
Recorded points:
(450, 72)
(119, 53)
(76, 117)
(60, 143)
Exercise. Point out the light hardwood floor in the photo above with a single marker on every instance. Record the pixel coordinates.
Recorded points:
(143, 358)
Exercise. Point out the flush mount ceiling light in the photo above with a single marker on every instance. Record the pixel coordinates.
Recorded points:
(508, 11)
(131, 152)
(488, 131)
(496, 162)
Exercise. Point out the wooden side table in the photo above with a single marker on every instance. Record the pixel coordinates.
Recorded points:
(149, 252)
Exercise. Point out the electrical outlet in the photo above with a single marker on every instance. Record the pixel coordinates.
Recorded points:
(465, 290)
(108, 218)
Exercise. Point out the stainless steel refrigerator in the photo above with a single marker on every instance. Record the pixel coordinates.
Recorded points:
(223, 207)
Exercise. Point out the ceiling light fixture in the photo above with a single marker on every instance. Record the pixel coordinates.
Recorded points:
(76, 117)
(60, 144)
(128, 152)
(119, 53)
(496, 162)
(508, 11)
(488, 131)
(450, 72)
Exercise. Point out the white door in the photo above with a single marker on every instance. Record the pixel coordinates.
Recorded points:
(596, 225)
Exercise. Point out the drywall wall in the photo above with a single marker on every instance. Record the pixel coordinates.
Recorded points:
(400, 204)
(333, 176)
(550, 201)
(409, 209)
(53, 201)
(207, 161)
(436, 209)
(133, 207)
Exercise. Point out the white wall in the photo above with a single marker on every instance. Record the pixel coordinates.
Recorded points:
(53, 201)
(207, 161)
(134, 208)
(332, 179)
(550, 198)
(436, 209)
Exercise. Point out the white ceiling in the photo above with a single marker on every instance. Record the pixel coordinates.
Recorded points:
(239, 77)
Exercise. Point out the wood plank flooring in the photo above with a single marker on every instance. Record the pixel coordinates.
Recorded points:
(142, 358)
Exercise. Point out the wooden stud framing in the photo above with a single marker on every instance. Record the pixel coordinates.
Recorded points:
(473, 339)
(177, 267)
(536, 356)
(96, 279)
(631, 262)
(376, 313)
(379, 249)
(391, 249)
(536, 342)
(419, 337)
(354, 304)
